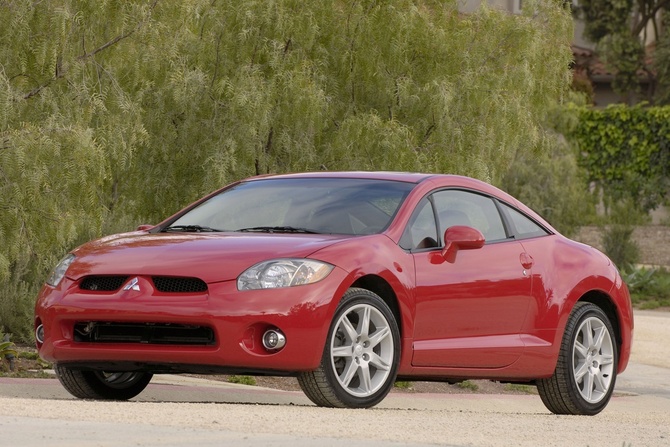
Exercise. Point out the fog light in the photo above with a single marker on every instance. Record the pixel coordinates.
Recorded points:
(39, 334)
(273, 340)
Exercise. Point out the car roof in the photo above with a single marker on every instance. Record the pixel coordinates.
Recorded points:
(409, 177)
(445, 180)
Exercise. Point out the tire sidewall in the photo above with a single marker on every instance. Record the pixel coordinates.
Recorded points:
(118, 392)
(88, 384)
(352, 298)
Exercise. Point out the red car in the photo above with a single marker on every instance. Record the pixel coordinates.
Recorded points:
(349, 281)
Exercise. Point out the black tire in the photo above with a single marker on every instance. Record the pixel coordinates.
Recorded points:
(102, 385)
(586, 370)
(360, 359)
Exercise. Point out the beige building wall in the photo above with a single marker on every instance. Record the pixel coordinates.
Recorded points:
(468, 6)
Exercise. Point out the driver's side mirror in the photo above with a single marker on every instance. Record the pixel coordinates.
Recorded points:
(145, 227)
(461, 237)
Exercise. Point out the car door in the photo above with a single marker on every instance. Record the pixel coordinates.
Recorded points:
(469, 311)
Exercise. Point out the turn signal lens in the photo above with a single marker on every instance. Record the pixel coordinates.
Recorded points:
(60, 270)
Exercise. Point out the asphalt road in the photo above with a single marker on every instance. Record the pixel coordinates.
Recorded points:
(183, 411)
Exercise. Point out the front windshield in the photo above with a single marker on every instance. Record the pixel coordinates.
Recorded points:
(313, 205)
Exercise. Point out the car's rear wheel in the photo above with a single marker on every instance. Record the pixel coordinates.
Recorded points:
(360, 359)
(102, 385)
(585, 374)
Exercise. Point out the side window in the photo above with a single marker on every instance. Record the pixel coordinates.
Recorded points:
(524, 227)
(455, 207)
(421, 232)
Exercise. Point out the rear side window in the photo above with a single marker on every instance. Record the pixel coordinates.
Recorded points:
(523, 226)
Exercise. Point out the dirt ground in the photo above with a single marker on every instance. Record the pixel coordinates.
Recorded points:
(470, 386)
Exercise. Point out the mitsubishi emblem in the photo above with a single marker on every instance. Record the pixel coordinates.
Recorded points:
(133, 285)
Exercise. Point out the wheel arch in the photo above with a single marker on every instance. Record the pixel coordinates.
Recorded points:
(381, 287)
(605, 303)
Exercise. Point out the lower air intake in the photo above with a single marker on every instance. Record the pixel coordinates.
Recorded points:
(148, 333)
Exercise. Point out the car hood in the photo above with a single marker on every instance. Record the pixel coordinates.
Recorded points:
(211, 257)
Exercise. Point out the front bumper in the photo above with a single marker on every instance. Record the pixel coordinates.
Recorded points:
(237, 321)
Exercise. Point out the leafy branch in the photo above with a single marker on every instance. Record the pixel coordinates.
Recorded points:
(62, 70)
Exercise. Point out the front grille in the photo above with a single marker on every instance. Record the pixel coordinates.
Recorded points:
(164, 284)
(168, 284)
(147, 333)
(103, 283)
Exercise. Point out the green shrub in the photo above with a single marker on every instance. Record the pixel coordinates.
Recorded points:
(619, 245)
(7, 351)
(7, 348)
(649, 287)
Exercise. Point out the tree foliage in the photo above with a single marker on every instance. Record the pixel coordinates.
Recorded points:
(117, 113)
(554, 185)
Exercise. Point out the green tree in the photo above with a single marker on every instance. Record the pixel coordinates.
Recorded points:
(119, 113)
(620, 28)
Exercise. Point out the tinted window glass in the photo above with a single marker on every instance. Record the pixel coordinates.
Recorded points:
(422, 230)
(456, 207)
(524, 227)
(339, 206)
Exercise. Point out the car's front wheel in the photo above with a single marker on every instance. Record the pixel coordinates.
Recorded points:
(585, 374)
(360, 359)
(102, 385)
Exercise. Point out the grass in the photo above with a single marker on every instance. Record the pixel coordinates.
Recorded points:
(521, 388)
(403, 385)
(468, 385)
(21, 374)
(242, 380)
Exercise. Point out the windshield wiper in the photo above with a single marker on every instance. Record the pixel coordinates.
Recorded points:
(190, 229)
(278, 230)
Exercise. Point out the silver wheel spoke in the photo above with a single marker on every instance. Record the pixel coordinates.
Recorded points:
(606, 360)
(365, 323)
(379, 363)
(349, 329)
(581, 350)
(587, 389)
(349, 373)
(366, 380)
(589, 333)
(581, 371)
(600, 335)
(380, 336)
(342, 351)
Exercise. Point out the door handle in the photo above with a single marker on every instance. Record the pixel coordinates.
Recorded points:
(526, 260)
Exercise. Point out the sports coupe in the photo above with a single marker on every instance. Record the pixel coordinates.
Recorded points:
(348, 281)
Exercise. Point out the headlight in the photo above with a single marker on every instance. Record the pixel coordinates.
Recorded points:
(59, 272)
(283, 273)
